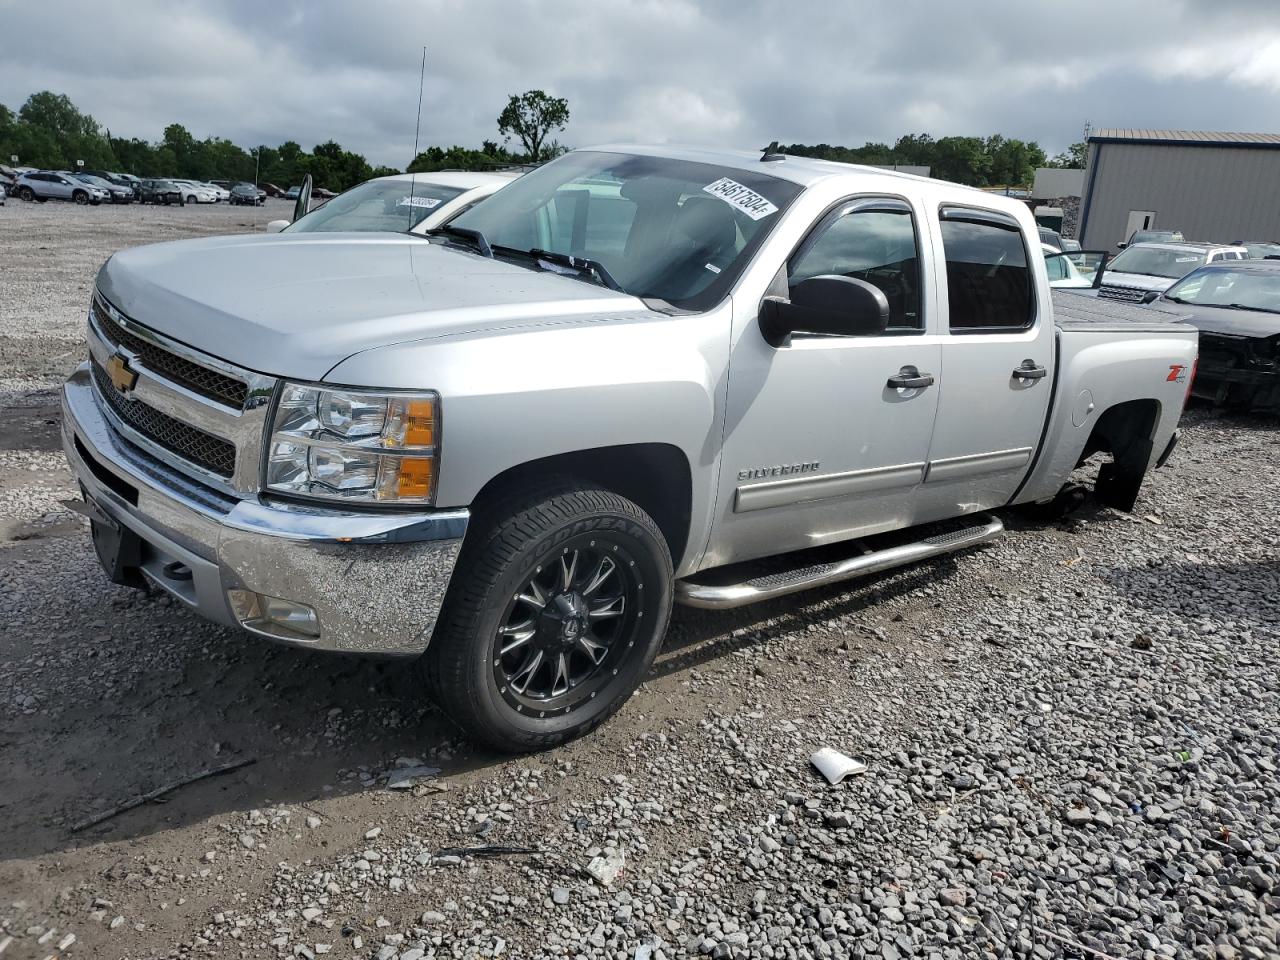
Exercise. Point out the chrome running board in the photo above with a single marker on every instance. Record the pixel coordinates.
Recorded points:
(709, 597)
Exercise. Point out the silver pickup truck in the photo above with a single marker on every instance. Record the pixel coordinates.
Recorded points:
(506, 447)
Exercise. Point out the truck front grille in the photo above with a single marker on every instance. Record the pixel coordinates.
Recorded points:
(190, 443)
(196, 378)
(1127, 294)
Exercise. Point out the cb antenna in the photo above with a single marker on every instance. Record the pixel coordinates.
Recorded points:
(413, 183)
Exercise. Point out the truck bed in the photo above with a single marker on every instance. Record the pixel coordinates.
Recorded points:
(1072, 311)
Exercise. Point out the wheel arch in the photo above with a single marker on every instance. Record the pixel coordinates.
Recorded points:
(1126, 431)
(656, 477)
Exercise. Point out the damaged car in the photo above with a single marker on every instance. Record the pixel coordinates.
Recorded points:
(1236, 307)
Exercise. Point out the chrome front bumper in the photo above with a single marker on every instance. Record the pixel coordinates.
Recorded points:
(376, 580)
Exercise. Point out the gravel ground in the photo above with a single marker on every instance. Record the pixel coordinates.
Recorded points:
(1072, 740)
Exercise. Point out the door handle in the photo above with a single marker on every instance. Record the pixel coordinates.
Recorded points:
(909, 378)
(1030, 370)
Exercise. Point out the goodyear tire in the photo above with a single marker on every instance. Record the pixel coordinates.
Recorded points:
(556, 609)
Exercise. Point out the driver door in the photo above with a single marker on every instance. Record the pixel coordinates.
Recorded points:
(819, 446)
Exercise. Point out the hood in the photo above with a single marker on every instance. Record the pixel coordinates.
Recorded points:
(1235, 323)
(297, 304)
(1139, 281)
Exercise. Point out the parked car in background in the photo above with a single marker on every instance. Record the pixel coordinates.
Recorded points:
(1152, 236)
(413, 203)
(224, 184)
(1063, 269)
(220, 193)
(161, 191)
(245, 194)
(654, 365)
(1260, 249)
(59, 185)
(1070, 245)
(1236, 307)
(1144, 269)
(117, 179)
(118, 193)
(271, 190)
(195, 192)
(292, 193)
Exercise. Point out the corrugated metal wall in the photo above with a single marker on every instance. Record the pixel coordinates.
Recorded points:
(1209, 193)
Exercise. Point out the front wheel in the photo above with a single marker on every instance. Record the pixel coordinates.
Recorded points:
(558, 606)
(80, 197)
(27, 194)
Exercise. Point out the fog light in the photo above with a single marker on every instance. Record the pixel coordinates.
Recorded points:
(272, 613)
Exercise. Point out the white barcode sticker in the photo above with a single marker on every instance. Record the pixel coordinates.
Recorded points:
(424, 202)
(744, 198)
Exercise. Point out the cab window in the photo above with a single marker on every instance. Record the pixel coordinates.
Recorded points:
(988, 279)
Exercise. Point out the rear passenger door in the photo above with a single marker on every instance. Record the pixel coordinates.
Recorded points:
(997, 363)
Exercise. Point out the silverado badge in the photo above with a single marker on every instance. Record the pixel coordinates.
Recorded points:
(122, 378)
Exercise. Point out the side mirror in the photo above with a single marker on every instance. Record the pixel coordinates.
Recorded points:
(1151, 296)
(840, 306)
(275, 226)
(303, 203)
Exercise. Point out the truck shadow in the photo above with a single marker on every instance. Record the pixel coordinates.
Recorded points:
(1246, 594)
(119, 693)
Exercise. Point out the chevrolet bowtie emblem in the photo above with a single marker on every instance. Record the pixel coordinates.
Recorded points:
(122, 378)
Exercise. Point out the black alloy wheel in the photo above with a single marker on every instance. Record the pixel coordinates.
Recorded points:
(27, 194)
(80, 197)
(566, 629)
(556, 608)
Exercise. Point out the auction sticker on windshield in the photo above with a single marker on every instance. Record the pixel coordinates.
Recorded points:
(744, 198)
(425, 202)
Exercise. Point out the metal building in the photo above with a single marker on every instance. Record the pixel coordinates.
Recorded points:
(1215, 187)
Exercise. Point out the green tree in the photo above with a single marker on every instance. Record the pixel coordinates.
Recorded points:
(51, 132)
(1073, 158)
(532, 116)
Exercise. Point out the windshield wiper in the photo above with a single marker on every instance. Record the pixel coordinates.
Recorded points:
(1176, 299)
(581, 264)
(1241, 306)
(465, 233)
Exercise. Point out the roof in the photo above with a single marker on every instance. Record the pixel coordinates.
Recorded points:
(1256, 265)
(1186, 138)
(804, 171)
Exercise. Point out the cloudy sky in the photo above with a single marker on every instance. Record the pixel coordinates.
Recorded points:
(715, 72)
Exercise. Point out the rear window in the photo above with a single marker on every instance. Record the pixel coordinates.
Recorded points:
(988, 279)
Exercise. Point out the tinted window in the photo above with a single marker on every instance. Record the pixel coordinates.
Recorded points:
(1157, 261)
(877, 246)
(988, 281)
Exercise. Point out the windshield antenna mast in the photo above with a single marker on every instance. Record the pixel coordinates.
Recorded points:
(413, 183)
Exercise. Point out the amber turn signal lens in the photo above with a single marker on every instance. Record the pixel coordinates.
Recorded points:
(416, 477)
(420, 424)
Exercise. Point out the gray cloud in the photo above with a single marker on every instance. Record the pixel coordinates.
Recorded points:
(717, 72)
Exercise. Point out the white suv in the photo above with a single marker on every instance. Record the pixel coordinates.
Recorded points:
(1143, 270)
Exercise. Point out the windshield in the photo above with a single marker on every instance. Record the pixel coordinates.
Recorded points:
(1157, 262)
(378, 205)
(1230, 288)
(666, 229)
(95, 181)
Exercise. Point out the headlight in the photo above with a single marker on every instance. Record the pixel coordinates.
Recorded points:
(354, 445)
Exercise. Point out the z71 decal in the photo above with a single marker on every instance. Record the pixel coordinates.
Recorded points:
(1177, 373)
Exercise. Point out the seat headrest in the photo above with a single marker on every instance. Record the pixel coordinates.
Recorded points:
(706, 221)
